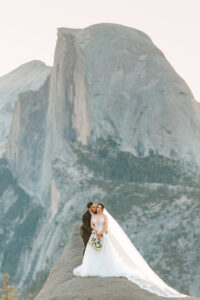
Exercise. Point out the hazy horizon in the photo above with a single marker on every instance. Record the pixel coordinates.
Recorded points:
(29, 29)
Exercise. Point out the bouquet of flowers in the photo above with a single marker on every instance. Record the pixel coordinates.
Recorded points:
(95, 243)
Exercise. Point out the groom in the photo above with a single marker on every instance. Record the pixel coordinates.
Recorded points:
(86, 229)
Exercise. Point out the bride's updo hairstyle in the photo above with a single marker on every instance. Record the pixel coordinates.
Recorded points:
(101, 204)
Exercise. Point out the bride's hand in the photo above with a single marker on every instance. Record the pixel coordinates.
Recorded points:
(106, 231)
(98, 235)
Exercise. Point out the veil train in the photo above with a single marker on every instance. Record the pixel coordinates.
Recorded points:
(139, 271)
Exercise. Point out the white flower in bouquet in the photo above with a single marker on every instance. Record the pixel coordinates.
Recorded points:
(95, 242)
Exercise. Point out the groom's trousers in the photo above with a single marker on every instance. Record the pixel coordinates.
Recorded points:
(86, 229)
(85, 238)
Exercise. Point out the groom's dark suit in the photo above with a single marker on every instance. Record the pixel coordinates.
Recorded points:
(86, 229)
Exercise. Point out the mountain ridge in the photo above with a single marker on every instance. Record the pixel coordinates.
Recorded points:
(105, 125)
(29, 76)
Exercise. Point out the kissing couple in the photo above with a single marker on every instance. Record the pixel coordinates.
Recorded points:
(108, 252)
(87, 228)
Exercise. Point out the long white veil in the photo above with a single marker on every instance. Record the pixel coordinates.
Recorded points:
(140, 272)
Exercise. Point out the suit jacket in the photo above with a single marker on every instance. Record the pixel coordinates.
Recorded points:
(86, 229)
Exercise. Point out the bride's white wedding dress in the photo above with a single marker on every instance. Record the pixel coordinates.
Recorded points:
(119, 258)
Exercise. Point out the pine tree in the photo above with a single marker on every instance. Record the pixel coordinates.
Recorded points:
(9, 292)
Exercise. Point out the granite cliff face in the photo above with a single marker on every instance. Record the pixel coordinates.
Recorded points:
(115, 123)
(27, 136)
(111, 80)
(29, 76)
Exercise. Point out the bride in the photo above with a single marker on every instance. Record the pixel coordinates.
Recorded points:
(110, 252)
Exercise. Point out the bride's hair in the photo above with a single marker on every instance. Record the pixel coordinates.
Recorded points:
(102, 205)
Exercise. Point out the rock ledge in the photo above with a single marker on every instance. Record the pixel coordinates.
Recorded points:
(61, 284)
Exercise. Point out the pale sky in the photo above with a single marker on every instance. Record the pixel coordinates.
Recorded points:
(28, 29)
